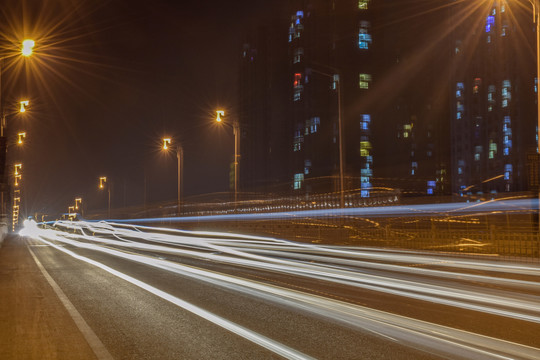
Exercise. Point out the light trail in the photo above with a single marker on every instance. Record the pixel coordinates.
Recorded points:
(334, 265)
(446, 209)
(497, 302)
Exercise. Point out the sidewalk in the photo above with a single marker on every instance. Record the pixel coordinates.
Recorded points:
(34, 324)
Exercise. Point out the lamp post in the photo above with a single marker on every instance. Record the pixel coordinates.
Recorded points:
(27, 48)
(102, 182)
(78, 201)
(337, 80)
(180, 158)
(21, 136)
(236, 130)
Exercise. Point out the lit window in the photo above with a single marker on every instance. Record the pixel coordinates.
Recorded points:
(364, 37)
(476, 87)
(297, 80)
(363, 4)
(458, 47)
(507, 171)
(431, 185)
(313, 125)
(490, 21)
(506, 92)
(298, 54)
(298, 181)
(335, 81)
(364, 80)
(365, 122)
(307, 167)
(298, 140)
(365, 147)
(298, 88)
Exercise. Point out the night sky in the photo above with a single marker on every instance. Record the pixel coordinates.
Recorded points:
(108, 80)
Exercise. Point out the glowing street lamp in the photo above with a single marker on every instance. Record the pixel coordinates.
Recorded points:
(21, 136)
(180, 158)
(17, 177)
(17, 168)
(102, 180)
(166, 143)
(219, 114)
(24, 104)
(27, 47)
(236, 131)
(77, 202)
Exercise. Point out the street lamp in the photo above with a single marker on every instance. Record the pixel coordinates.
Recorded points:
(337, 80)
(180, 158)
(21, 136)
(27, 47)
(236, 130)
(24, 104)
(78, 201)
(102, 182)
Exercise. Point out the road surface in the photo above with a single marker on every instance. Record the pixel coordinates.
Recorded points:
(156, 293)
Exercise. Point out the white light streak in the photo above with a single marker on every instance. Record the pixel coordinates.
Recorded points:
(334, 265)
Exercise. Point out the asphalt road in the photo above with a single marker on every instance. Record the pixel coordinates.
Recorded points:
(148, 293)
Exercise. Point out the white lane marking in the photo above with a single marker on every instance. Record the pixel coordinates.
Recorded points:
(95, 344)
(408, 330)
(252, 336)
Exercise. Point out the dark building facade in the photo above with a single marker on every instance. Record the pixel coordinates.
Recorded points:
(493, 97)
(264, 145)
(330, 71)
(436, 97)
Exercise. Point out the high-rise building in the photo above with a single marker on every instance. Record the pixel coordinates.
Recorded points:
(493, 97)
(330, 70)
(263, 144)
(383, 65)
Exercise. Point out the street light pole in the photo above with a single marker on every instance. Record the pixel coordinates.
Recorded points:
(103, 180)
(180, 158)
(336, 78)
(236, 132)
